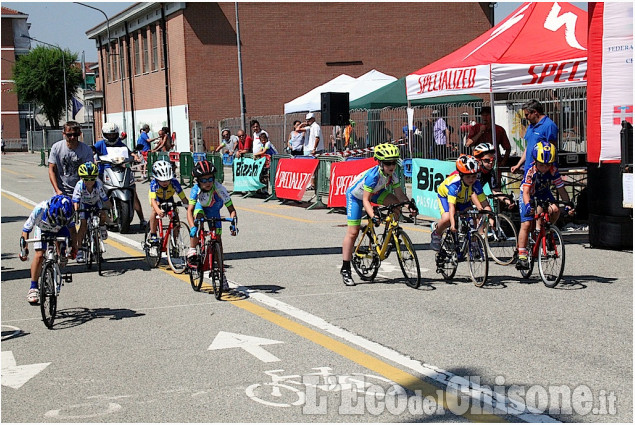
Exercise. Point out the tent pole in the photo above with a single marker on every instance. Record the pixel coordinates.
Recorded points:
(491, 102)
(409, 132)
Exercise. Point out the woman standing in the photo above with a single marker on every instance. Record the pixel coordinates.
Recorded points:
(296, 140)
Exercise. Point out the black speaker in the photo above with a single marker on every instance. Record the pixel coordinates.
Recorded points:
(334, 108)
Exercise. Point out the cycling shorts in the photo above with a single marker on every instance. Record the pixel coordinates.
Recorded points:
(355, 207)
(444, 205)
(37, 234)
(544, 196)
(209, 212)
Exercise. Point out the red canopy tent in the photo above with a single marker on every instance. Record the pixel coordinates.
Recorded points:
(540, 45)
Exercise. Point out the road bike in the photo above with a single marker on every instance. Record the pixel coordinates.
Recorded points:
(93, 244)
(371, 249)
(174, 239)
(501, 235)
(51, 277)
(209, 255)
(545, 245)
(466, 244)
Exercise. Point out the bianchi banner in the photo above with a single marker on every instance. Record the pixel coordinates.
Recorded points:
(247, 174)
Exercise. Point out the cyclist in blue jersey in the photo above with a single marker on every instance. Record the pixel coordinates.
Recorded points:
(457, 193)
(207, 197)
(378, 184)
(163, 186)
(51, 217)
(537, 185)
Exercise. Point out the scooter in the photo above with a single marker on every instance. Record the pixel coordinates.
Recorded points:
(119, 185)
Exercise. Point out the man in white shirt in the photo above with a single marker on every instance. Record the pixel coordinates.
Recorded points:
(313, 142)
(257, 144)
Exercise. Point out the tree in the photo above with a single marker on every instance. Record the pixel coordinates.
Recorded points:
(39, 79)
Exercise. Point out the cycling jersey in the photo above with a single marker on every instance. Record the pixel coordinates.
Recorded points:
(165, 193)
(37, 220)
(538, 185)
(374, 181)
(83, 196)
(210, 202)
(458, 192)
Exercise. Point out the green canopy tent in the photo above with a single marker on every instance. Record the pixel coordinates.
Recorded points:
(394, 95)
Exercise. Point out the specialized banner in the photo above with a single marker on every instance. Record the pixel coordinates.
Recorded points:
(569, 73)
(427, 175)
(247, 174)
(474, 79)
(293, 175)
(342, 175)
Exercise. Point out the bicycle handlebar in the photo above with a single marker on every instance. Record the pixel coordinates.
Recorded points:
(477, 212)
(45, 238)
(501, 195)
(545, 203)
(382, 209)
(169, 206)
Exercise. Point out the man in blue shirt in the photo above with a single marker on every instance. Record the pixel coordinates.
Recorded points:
(541, 129)
(144, 139)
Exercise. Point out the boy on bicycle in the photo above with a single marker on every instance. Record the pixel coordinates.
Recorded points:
(207, 197)
(457, 193)
(51, 217)
(163, 186)
(88, 194)
(536, 185)
(378, 184)
(485, 155)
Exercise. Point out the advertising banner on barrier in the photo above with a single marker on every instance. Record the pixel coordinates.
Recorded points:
(247, 174)
(293, 176)
(427, 175)
(342, 175)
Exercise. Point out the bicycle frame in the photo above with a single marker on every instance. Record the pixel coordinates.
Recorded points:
(207, 239)
(540, 240)
(391, 226)
(165, 230)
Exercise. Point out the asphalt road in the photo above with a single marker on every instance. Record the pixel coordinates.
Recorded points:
(291, 343)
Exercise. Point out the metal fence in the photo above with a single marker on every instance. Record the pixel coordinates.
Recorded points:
(44, 139)
(15, 145)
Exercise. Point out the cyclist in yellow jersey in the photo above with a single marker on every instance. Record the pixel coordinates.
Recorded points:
(162, 189)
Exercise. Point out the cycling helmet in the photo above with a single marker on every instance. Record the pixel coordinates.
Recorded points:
(87, 169)
(467, 164)
(203, 168)
(544, 152)
(386, 152)
(110, 130)
(482, 149)
(59, 210)
(162, 171)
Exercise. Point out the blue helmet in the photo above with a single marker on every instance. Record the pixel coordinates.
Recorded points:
(544, 152)
(59, 210)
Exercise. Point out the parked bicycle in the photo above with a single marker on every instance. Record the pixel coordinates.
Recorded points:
(209, 255)
(371, 249)
(466, 244)
(546, 246)
(93, 245)
(501, 235)
(174, 239)
(51, 277)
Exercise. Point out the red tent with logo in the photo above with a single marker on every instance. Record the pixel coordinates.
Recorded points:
(540, 45)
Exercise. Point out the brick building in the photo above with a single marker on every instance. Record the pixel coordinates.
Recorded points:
(184, 65)
(13, 25)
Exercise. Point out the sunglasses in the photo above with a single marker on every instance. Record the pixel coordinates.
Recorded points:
(487, 161)
(89, 179)
(207, 180)
(389, 163)
(73, 134)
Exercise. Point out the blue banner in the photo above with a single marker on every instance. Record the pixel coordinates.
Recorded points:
(427, 175)
(247, 174)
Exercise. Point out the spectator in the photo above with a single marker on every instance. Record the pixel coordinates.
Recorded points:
(349, 135)
(255, 127)
(313, 142)
(64, 161)
(336, 138)
(165, 141)
(264, 148)
(296, 140)
(441, 135)
(482, 133)
(144, 139)
(3, 151)
(244, 143)
(541, 129)
(228, 141)
(464, 129)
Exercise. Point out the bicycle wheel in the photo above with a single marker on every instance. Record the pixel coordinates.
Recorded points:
(88, 249)
(153, 253)
(48, 299)
(408, 259)
(502, 240)
(365, 258)
(96, 249)
(530, 247)
(196, 273)
(551, 257)
(178, 245)
(447, 259)
(218, 273)
(479, 265)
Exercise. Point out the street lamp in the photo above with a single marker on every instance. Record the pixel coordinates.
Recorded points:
(63, 68)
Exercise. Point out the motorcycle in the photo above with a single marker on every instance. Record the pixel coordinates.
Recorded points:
(119, 185)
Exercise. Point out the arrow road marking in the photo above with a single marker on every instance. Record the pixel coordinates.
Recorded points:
(15, 376)
(251, 344)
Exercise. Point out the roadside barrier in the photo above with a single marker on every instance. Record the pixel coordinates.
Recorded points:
(217, 160)
(323, 179)
(44, 156)
(273, 168)
(186, 165)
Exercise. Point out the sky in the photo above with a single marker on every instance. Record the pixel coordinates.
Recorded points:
(65, 23)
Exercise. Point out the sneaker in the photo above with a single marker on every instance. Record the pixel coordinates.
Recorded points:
(192, 258)
(154, 240)
(80, 256)
(347, 278)
(104, 232)
(522, 263)
(435, 242)
(33, 296)
(225, 283)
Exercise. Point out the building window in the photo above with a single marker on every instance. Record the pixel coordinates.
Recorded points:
(144, 46)
(137, 61)
(155, 48)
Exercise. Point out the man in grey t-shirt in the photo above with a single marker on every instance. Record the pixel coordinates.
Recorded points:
(66, 157)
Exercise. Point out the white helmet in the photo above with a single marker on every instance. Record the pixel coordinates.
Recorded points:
(110, 131)
(162, 171)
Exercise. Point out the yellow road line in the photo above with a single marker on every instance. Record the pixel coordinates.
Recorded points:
(18, 201)
(302, 220)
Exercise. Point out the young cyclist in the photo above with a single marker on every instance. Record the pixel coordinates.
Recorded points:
(485, 155)
(457, 193)
(207, 197)
(48, 217)
(89, 193)
(378, 184)
(537, 185)
(162, 189)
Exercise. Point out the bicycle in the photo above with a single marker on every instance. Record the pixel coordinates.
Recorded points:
(51, 278)
(173, 240)
(93, 244)
(466, 244)
(501, 237)
(546, 246)
(371, 249)
(209, 255)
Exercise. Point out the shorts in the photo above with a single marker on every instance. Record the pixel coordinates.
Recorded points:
(82, 206)
(355, 207)
(37, 234)
(444, 205)
(209, 212)
(160, 201)
(542, 196)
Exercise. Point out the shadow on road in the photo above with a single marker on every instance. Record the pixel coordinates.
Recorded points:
(71, 317)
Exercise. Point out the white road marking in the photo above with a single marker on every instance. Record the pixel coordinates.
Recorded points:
(15, 376)
(250, 344)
